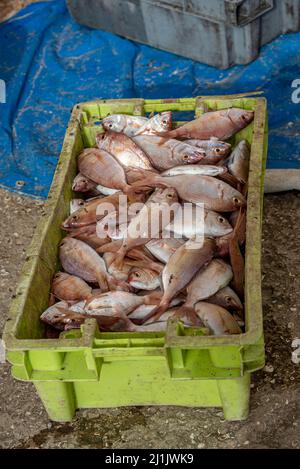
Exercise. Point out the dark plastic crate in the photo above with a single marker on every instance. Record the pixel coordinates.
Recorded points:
(221, 33)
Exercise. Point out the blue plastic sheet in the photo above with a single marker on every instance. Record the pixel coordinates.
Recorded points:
(49, 63)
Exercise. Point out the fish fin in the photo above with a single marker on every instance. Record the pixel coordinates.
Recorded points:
(239, 231)
(150, 181)
(155, 266)
(106, 323)
(114, 246)
(132, 192)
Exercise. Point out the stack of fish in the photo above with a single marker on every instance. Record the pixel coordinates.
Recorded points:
(188, 270)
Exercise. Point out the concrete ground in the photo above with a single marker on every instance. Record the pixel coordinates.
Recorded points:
(274, 420)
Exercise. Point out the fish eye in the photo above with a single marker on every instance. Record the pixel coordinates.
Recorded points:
(228, 300)
(75, 217)
(137, 274)
(186, 157)
(164, 121)
(169, 195)
(243, 117)
(221, 219)
(236, 200)
(110, 126)
(218, 150)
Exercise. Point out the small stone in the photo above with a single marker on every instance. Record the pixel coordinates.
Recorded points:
(293, 309)
(269, 369)
(16, 235)
(290, 325)
(201, 446)
(2, 351)
(246, 442)
(272, 381)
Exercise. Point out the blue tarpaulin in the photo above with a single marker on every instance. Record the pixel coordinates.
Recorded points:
(49, 63)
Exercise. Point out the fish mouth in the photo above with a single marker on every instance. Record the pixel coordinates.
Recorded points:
(166, 120)
(239, 202)
(194, 156)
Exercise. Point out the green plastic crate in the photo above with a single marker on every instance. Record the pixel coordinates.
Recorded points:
(85, 368)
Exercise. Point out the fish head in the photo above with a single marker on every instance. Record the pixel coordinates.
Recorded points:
(76, 220)
(232, 301)
(168, 195)
(54, 317)
(60, 277)
(219, 148)
(75, 204)
(115, 122)
(99, 301)
(82, 184)
(190, 154)
(162, 122)
(238, 200)
(219, 225)
(142, 278)
(241, 117)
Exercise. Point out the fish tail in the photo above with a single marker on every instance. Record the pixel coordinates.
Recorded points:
(119, 285)
(153, 298)
(157, 312)
(102, 280)
(167, 134)
(126, 323)
(149, 181)
(189, 313)
(51, 299)
(119, 260)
